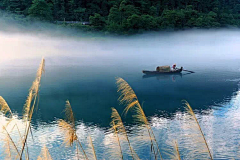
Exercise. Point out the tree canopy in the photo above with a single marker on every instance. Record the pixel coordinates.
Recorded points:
(124, 16)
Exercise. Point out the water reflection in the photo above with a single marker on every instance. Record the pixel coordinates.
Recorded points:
(220, 125)
(171, 77)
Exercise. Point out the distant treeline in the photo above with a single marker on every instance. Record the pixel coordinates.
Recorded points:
(130, 16)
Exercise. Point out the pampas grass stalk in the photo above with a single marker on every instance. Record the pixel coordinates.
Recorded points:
(77, 151)
(177, 150)
(7, 148)
(45, 155)
(116, 118)
(114, 127)
(82, 148)
(68, 127)
(190, 111)
(129, 98)
(173, 152)
(33, 95)
(11, 140)
(4, 107)
(92, 148)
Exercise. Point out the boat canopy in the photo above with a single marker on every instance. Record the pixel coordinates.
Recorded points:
(163, 69)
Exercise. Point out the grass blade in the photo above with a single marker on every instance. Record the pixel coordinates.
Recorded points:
(4, 106)
(45, 155)
(116, 118)
(69, 128)
(129, 98)
(190, 111)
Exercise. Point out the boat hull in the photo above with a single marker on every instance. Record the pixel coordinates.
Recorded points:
(156, 72)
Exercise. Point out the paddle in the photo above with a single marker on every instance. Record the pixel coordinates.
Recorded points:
(188, 71)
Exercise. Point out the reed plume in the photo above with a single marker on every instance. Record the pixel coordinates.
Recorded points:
(197, 127)
(68, 128)
(45, 155)
(4, 108)
(69, 132)
(31, 101)
(26, 108)
(69, 114)
(129, 98)
(116, 118)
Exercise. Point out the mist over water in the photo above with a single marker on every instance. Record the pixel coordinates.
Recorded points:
(83, 70)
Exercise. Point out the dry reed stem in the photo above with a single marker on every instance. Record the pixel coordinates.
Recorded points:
(4, 106)
(33, 95)
(92, 148)
(173, 153)
(116, 118)
(69, 128)
(45, 155)
(11, 140)
(129, 98)
(114, 128)
(190, 111)
(177, 150)
(7, 148)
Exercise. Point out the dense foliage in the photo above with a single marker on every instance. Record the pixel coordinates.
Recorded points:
(127, 16)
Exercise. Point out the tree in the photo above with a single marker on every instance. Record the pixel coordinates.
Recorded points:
(127, 9)
(59, 10)
(97, 21)
(41, 10)
(173, 19)
(114, 23)
(79, 14)
(114, 15)
(149, 22)
(15, 6)
(153, 11)
(134, 22)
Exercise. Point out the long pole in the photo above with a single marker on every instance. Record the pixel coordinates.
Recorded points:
(188, 71)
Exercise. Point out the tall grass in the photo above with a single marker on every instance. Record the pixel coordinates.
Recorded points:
(92, 151)
(69, 130)
(127, 97)
(196, 126)
(178, 157)
(4, 108)
(31, 103)
(28, 110)
(114, 128)
(45, 155)
(118, 124)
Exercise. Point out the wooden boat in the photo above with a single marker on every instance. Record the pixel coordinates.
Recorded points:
(162, 76)
(157, 72)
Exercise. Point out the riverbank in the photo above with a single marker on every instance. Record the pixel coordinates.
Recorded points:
(15, 23)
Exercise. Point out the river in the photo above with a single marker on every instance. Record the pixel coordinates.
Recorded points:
(84, 71)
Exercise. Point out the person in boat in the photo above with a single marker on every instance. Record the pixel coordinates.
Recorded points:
(174, 67)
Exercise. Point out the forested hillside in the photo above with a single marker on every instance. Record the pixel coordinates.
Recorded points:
(127, 16)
